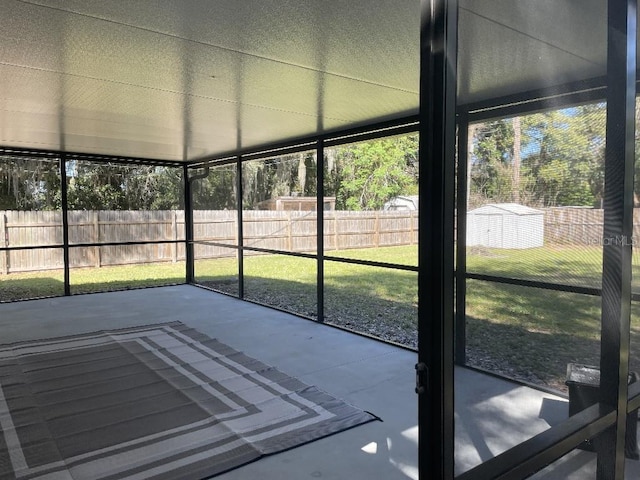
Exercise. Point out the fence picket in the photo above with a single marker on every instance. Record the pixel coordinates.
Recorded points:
(4, 258)
(283, 230)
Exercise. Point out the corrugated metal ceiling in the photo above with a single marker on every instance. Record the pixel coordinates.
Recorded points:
(189, 79)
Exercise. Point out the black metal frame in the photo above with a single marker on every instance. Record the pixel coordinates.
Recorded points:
(54, 154)
(618, 223)
(62, 159)
(376, 131)
(65, 224)
(606, 421)
(438, 53)
(239, 189)
(320, 230)
(188, 221)
(461, 236)
(436, 124)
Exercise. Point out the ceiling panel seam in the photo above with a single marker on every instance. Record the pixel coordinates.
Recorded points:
(164, 90)
(227, 49)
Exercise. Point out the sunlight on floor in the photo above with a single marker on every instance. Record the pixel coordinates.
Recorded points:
(370, 448)
(378, 448)
(411, 471)
(411, 434)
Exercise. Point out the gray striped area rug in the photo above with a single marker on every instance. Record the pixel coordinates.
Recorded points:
(154, 402)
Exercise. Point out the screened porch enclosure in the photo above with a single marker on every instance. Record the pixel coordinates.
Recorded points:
(253, 149)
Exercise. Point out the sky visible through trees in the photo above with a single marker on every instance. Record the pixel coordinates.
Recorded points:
(547, 159)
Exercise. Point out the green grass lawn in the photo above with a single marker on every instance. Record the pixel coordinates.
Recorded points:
(20, 286)
(525, 332)
(580, 265)
(354, 294)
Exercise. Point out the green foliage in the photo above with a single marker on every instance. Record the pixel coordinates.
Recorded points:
(366, 175)
(562, 159)
(491, 166)
(569, 163)
(279, 176)
(34, 184)
(362, 177)
(29, 184)
(217, 191)
(111, 186)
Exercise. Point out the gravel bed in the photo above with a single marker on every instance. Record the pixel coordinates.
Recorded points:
(403, 334)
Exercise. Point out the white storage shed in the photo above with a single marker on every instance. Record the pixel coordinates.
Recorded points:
(505, 225)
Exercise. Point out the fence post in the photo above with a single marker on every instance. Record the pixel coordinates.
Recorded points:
(335, 231)
(289, 237)
(96, 239)
(412, 216)
(174, 236)
(376, 229)
(4, 231)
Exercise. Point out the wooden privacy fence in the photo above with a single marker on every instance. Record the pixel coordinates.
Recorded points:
(291, 231)
(580, 226)
(295, 231)
(31, 229)
(278, 230)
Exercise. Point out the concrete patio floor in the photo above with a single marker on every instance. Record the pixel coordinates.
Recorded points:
(491, 414)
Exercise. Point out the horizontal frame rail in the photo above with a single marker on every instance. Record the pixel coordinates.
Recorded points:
(558, 287)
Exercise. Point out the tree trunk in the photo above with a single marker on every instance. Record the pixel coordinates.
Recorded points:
(302, 174)
(471, 134)
(517, 134)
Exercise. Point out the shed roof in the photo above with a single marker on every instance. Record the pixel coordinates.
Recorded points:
(505, 209)
(407, 198)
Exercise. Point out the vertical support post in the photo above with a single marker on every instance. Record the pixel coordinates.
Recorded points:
(320, 229)
(412, 221)
(65, 223)
(240, 227)
(96, 239)
(618, 230)
(188, 227)
(336, 237)
(438, 51)
(376, 229)
(174, 235)
(289, 232)
(461, 240)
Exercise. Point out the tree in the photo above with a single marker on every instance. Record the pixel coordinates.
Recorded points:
(294, 174)
(111, 186)
(29, 184)
(491, 174)
(636, 177)
(553, 158)
(567, 155)
(217, 191)
(366, 175)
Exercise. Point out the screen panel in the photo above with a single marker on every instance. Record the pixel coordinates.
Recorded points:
(30, 216)
(217, 267)
(373, 209)
(142, 266)
(535, 196)
(280, 203)
(377, 301)
(282, 281)
(534, 191)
